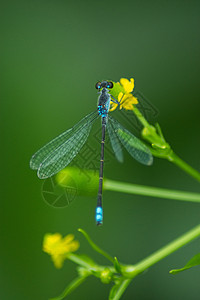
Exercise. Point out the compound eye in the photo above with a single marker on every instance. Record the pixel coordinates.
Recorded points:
(109, 85)
(98, 85)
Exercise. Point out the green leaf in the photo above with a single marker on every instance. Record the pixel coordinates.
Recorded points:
(117, 265)
(195, 261)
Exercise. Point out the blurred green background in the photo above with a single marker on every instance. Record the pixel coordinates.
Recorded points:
(52, 54)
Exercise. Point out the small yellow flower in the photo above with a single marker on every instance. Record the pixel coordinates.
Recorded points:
(122, 92)
(59, 247)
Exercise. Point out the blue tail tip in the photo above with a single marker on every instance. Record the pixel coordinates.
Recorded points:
(99, 215)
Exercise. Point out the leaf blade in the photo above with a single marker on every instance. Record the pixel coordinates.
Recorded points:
(194, 261)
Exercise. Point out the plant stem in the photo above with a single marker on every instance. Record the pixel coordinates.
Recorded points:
(71, 287)
(130, 188)
(184, 166)
(95, 247)
(122, 289)
(90, 265)
(140, 117)
(167, 250)
(77, 259)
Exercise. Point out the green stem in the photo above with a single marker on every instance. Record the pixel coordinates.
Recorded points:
(184, 166)
(95, 247)
(140, 117)
(71, 287)
(167, 250)
(89, 265)
(81, 261)
(122, 289)
(130, 188)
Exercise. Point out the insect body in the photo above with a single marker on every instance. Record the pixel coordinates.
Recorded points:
(59, 152)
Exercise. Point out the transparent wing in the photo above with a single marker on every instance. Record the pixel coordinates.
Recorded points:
(115, 143)
(42, 153)
(133, 145)
(58, 153)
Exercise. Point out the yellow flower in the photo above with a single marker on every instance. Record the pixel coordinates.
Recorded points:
(122, 92)
(59, 247)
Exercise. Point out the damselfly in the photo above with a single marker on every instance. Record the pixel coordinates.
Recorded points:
(59, 152)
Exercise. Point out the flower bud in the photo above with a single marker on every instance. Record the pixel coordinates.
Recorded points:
(85, 182)
(106, 276)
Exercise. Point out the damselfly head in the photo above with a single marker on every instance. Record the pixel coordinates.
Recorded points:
(104, 84)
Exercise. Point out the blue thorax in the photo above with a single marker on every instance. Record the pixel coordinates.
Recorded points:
(104, 103)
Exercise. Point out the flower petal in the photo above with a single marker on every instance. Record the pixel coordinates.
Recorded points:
(68, 238)
(127, 85)
(113, 106)
(128, 101)
(74, 246)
